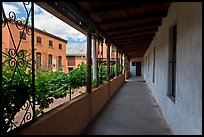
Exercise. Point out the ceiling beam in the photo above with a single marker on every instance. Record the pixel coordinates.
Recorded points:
(152, 15)
(142, 45)
(135, 44)
(153, 30)
(137, 54)
(115, 7)
(126, 30)
(134, 26)
(136, 51)
(150, 37)
(144, 34)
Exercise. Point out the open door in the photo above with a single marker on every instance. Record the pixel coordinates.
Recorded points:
(138, 68)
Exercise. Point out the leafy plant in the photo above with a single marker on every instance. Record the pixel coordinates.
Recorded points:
(16, 86)
(49, 86)
(102, 71)
(112, 71)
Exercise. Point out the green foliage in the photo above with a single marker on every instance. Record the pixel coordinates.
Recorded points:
(77, 77)
(53, 85)
(120, 69)
(102, 71)
(112, 71)
(16, 86)
(49, 86)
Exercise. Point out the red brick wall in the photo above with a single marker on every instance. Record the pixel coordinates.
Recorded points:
(43, 48)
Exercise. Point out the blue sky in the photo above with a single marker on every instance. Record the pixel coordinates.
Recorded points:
(45, 21)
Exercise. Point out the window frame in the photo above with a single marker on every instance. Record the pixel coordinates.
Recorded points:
(72, 64)
(50, 43)
(172, 62)
(153, 75)
(50, 61)
(37, 38)
(59, 58)
(40, 63)
(60, 46)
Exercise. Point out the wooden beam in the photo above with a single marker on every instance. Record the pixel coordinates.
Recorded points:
(136, 42)
(136, 54)
(141, 52)
(144, 34)
(134, 26)
(141, 46)
(95, 7)
(135, 45)
(150, 37)
(135, 32)
(88, 62)
(116, 7)
(157, 14)
(135, 48)
(131, 29)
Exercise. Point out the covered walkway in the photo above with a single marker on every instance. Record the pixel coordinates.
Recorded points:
(132, 111)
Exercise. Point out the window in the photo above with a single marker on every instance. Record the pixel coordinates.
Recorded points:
(153, 75)
(148, 65)
(22, 35)
(133, 63)
(50, 43)
(70, 69)
(39, 40)
(38, 61)
(49, 61)
(172, 62)
(71, 61)
(59, 62)
(60, 46)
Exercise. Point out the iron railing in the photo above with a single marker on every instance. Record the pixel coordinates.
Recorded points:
(18, 77)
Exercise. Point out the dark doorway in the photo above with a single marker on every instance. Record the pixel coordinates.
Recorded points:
(138, 68)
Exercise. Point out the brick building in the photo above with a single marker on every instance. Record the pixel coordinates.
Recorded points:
(50, 50)
(76, 54)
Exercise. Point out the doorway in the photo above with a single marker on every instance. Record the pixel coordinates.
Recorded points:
(138, 68)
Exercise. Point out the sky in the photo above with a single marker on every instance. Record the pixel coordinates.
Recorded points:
(45, 21)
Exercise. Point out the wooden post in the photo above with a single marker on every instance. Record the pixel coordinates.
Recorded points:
(88, 61)
(108, 62)
(116, 62)
(121, 62)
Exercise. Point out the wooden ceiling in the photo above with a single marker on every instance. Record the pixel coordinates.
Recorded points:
(132, 26)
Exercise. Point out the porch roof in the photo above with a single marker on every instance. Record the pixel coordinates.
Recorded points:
(131, 26)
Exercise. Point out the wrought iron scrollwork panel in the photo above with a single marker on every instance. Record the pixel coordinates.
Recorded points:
(17, 69)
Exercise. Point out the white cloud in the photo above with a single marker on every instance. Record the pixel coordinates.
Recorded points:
(50, 23)
(9, 7)
(45, 21)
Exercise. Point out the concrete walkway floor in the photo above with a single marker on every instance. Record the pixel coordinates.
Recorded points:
(132, 111)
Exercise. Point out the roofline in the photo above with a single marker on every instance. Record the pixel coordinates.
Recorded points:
(49, 34)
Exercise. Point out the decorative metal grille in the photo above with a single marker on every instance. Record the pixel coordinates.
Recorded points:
(17, 65)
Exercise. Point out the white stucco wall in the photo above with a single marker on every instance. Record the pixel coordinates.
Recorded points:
(133, 68)
(185, 115)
